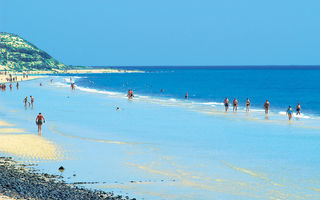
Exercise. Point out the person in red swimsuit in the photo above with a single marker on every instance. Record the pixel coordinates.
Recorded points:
(39, 120)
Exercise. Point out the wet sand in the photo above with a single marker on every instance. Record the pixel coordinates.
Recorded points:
(20, 181)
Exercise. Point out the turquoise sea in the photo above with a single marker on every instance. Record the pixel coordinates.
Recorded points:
(161, 146)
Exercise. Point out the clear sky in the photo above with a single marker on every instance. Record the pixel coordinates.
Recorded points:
(169, 32)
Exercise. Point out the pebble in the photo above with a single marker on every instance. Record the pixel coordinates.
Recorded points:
(19, 182)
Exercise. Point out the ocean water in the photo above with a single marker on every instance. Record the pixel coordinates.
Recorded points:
(161, 146)
(282, 87)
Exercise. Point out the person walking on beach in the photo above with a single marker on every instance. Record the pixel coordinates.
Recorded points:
(235, 105)
(247, 105)
(266, 106)
(298, 109)
(39, 120)
(226, 103)
(289, 112)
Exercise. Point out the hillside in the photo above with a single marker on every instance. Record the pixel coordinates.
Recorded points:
(19, 55)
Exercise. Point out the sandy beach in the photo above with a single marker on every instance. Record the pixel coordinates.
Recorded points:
(21, 76)
(20, 181)
(79, 71)
(3, 78)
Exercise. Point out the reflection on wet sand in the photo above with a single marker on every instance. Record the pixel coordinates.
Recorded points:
(28, 147)
(52, 128)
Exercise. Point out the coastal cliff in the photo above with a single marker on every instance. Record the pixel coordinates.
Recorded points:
(17, 54)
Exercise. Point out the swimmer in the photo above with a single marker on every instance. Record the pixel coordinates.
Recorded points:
(266, 107)
(247, 105)
(186, 95)
(289, 112)
(39, 120)
(226, 103)
(117, 108)
(235, 104)
(298, 109)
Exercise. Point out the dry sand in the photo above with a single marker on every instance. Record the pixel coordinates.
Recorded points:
(3, 78)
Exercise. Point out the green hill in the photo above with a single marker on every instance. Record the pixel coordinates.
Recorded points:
(19, 55)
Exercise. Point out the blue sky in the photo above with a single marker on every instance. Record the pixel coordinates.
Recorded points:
(169, 32)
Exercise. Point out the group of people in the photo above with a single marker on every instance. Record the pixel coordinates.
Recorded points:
(290, 111)
(4, 86)
(26, 102)
(266, 107)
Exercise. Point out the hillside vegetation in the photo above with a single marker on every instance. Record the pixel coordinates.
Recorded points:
(18, 54)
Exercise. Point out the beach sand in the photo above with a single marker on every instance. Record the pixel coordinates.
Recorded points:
(3, 78)
(19, 182)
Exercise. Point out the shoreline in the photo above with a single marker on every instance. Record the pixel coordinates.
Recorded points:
(21, 76)
(19, 181)
(80, 71)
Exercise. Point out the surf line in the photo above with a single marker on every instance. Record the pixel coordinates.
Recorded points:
(52, 128)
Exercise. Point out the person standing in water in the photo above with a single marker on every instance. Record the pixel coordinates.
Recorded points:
(130, 94)
(39, 120)
(247, 105)
(298, 109)
(186, 95)
(72, 86)
(266, 106)
(10, 86)
(235, 104)
(289, 112)
(25, 101)
(17, 85)
(32, 100)
(226, 103)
